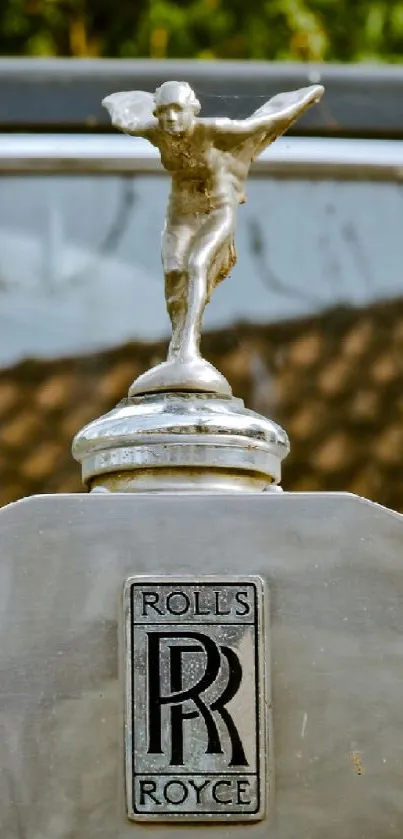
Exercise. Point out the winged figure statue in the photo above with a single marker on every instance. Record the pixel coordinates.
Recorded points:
(208, 160)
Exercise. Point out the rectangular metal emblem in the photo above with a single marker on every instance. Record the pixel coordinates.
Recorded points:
(196, 737)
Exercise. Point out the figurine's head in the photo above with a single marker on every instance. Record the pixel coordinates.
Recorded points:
(176, 107)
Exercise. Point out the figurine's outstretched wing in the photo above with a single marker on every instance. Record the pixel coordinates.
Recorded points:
(248, 137)
(278, 114)
(290, 105)
(131, 111)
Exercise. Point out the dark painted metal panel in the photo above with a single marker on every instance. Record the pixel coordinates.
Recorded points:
(360, 100)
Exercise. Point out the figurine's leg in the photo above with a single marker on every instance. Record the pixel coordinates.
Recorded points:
(175, 244)
(175, 295)
(212, 236)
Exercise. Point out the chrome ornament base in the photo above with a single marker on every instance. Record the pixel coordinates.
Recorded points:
(193, 374)
(181, 441)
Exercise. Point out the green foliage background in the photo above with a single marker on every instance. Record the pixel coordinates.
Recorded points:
(307, 30)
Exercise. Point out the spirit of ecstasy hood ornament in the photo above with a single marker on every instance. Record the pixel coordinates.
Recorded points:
(180, 429)
(209, 161)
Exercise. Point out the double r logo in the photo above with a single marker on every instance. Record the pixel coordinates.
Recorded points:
(174, 654)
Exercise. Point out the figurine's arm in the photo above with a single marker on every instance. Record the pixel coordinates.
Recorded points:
(274, 117)
(132, 112)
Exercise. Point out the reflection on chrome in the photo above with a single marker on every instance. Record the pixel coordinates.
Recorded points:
(290, 157)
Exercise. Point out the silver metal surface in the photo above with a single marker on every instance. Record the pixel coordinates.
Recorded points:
(333, 566)
(294, 157)
(174, 441)
(209, 161)
(195, 723)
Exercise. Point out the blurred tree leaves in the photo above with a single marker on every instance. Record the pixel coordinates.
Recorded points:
(301, 30)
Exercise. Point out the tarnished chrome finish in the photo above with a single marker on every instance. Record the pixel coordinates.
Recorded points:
(181, 441)
(209, 161)
(196, 743)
